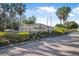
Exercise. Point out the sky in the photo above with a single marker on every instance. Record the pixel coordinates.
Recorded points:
(44, 11)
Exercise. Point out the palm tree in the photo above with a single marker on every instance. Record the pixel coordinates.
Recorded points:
(20, 8)
(12, 12)
(3, 13)
(62, 13)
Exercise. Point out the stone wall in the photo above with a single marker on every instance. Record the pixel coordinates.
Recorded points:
(34, 27)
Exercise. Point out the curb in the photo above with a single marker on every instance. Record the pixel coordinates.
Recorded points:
(18, 44)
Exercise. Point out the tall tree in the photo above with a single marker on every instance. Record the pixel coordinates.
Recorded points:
(62, 13)
(30, 20)
(20, 8)
(12, 12)
(3, 13)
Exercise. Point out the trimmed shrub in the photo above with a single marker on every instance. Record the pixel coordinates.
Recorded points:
(14, 37)
(33, 36)
(4, 42)
(23, 35)
(59, 25)
(44, 34)
(59, 29)
(2, 34)
(71, 25)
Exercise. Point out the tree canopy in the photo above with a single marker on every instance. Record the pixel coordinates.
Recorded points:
(62, 13)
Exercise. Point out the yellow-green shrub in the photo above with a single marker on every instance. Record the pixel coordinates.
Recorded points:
(2, 34)
(23, 34)
(59, 30)
(4, 42)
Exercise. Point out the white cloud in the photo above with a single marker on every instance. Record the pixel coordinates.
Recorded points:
(77, 21)
(43, 20)
(47, 9)
(71, 14)
(76, 10)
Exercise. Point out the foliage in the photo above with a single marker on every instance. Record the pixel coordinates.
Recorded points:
(59, 25)
(23, 34)
(2, 28)
(30, 20)
(59, 29)
(62, 13)
(44, 34)
(14, 37)
(15, 25)
(8, 14)
(4, 42)
(71, 25)
(64, 28)
(9, 34)
(2, 34)
(20, 9)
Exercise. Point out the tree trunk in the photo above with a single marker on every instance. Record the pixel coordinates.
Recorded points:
(4, 19)
(64, 21)
(12, 22)
(11, 16)
(4, 24)
(61, 21)
(20, 19)
(20, 22)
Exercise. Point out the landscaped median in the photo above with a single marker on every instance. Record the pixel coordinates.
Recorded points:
(59, 29)
(7, 38)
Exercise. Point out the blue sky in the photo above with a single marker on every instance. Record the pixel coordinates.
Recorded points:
(44, 11)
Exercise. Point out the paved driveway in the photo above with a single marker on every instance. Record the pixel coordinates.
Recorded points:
(52, 46)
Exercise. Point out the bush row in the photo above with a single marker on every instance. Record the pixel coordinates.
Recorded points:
(7, 38)
(60, 29)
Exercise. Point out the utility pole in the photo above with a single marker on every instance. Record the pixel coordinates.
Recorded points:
(47, 21)
(47, 26)
(50, 23)
(51, 20)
